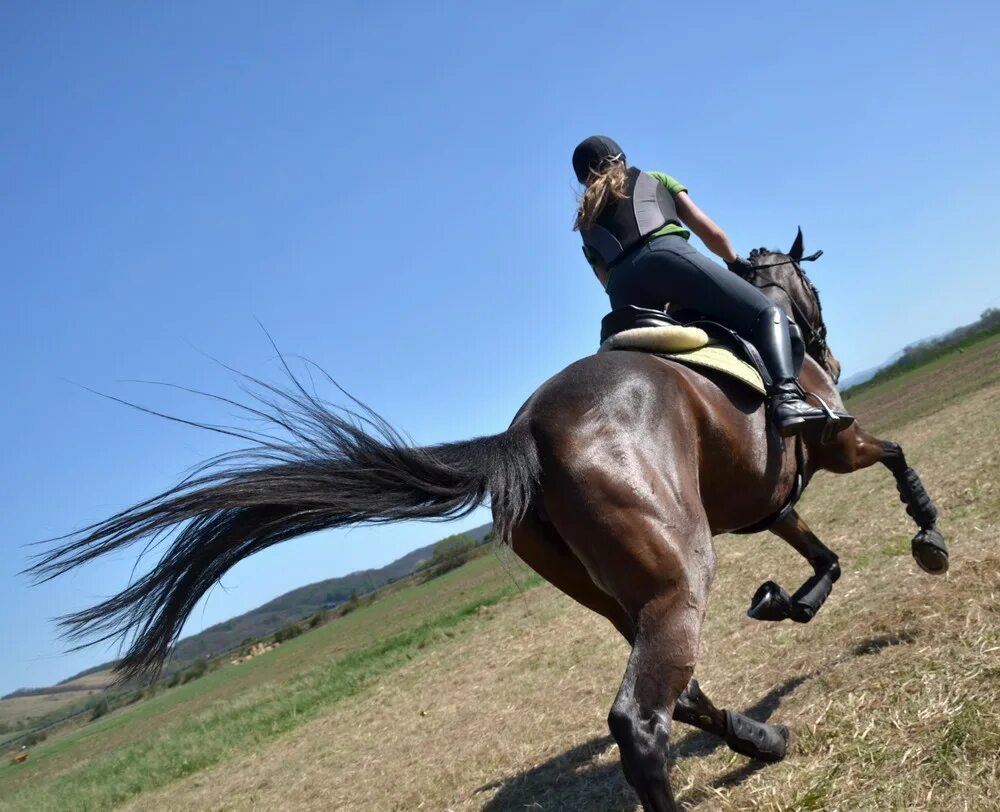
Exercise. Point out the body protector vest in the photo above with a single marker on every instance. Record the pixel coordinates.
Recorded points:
(625, 223)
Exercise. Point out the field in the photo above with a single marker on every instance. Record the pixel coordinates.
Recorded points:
(483, 690)
(59, 697)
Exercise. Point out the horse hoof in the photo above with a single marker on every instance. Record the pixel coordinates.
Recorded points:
(930, 551)
(770, 602)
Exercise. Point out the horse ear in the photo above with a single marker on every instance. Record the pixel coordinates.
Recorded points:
(796, 250)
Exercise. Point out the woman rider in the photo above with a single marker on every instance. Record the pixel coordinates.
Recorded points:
(632, 224)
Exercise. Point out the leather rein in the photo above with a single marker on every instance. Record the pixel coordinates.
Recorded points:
(816, 336)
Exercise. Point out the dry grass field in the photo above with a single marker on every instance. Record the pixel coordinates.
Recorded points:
(26, 708)
(892, 693)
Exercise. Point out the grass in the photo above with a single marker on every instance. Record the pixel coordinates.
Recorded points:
(947, 379)
(193, 726)
(465, 694)
(37, 707)
(255, 718)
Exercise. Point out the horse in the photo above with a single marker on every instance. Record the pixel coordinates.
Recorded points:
(611, 482)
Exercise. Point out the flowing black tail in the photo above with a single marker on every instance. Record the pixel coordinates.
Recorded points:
(340, 468)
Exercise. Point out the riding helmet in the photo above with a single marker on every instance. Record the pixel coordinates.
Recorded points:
(591, 153)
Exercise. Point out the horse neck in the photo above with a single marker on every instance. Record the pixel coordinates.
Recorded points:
(784, 285)
(787, 286)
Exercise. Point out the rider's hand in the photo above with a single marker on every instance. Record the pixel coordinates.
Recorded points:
(740, 266)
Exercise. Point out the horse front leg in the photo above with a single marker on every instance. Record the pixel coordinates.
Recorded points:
(928, 546)
(771, 602)
(856, 449)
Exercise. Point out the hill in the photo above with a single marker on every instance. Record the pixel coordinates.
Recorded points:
(479, 691)
(27, 704)
(924, 351)
(302, 602)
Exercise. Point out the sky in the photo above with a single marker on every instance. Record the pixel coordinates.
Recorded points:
(387, 189)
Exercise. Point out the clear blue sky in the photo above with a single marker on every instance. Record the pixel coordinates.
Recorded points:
(388, 189)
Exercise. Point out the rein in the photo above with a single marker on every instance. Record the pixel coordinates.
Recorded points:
(810, 258)
(816, 337)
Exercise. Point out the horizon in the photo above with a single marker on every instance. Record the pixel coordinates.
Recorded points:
(76, 674)
(389, 192)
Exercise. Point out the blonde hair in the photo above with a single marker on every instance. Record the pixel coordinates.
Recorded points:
(605, 184)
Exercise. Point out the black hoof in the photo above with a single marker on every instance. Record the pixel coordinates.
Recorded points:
(770, 602)
(930, 551)
(755, 739)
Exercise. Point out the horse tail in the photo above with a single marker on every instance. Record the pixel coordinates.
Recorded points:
(341, 468)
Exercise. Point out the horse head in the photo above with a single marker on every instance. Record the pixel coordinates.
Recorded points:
(781, 278)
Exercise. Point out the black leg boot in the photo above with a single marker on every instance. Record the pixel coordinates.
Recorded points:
(789, 409)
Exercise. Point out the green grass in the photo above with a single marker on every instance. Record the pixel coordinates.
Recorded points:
(962, 728)
(896, 546)
(236, 708)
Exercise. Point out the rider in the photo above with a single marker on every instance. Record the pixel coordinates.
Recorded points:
(634, 236)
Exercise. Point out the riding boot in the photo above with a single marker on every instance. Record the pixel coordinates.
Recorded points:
(786, 399)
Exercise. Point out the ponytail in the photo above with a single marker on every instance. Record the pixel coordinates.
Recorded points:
(608, 182)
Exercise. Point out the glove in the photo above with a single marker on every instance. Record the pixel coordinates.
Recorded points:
(741, 267)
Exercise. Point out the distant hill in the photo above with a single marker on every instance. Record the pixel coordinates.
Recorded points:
(920, 352)
(865, 375)
(302, 602)
(274, 615)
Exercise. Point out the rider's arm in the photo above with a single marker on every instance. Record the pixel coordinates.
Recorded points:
(701, 224)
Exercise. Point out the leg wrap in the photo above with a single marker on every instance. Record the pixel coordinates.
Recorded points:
(806, 602)
(755, 739)
(913, 494)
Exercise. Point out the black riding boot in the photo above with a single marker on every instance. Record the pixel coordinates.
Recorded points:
(789, 409)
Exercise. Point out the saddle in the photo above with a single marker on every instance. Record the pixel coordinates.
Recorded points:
(693, 340)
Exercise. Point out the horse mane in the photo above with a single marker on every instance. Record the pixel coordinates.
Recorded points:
(759, 253)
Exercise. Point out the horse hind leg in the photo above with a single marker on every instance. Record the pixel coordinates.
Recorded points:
(771, 602)
(658, 686)
(656, 560)
(538, 544)
(659, 668)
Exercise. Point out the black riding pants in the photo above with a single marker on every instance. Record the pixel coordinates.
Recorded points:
(669, 269)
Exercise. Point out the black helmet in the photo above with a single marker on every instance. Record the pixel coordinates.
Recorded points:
(592, 152)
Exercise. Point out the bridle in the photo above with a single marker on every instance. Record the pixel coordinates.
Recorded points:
(815, 338)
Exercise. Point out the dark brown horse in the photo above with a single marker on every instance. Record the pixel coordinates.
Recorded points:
(610, 482)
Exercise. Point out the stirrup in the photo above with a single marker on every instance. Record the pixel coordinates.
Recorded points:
(836, 422)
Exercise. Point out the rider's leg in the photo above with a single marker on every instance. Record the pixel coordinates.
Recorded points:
(669, 269)
(789, 410)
